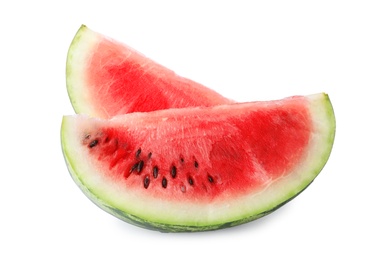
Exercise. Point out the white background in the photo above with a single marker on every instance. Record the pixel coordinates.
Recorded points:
(245, 50)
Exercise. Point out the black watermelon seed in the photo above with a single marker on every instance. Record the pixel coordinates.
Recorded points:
(140, 166)
(138, 152)
(190, 181)
(93, 143)
(173, 171)
(196, 164)
(137, 166)
(211, 180)
(181, 159)
(155, 172)
(146, 182)
(150, 155)
(164, 182)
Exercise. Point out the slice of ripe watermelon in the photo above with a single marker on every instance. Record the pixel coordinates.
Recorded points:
(106, 78)
(204, 168)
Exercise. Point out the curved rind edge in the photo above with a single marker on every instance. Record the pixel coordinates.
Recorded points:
(76, 57)
(325, 109)
(68, 72)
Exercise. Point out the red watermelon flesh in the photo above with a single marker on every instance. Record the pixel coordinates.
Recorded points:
(107, 78)
(201, 168)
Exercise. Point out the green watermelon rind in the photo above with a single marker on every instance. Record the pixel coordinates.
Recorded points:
(134, 220)
(322, 111)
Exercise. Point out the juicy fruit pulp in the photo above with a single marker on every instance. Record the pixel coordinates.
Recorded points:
(106, 78)
(195, 169)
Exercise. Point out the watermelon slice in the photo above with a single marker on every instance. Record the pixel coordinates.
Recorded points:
(203, 168)
(106, 78)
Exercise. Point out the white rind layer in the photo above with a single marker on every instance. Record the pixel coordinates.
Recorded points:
(77, 60)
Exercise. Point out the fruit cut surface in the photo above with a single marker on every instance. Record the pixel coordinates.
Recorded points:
(203, 168)
(106, 78)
